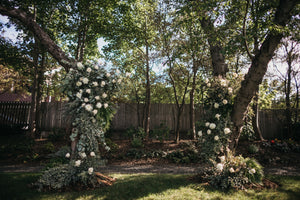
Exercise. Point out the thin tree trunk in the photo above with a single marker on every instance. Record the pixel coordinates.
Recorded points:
(192, 101)
(148, 87)
(255, 118)
(287, 98)
(32, 119)
(40, 80)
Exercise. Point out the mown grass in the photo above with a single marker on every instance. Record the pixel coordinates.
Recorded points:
(146, 186)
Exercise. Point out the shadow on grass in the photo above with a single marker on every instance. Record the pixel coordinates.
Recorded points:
(14, 186)
(135, 186)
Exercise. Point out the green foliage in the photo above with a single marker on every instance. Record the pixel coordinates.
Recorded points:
(161, 132)
(136, 135)
(253, 149)
(49, 147)
(58, 134)
(137, 142)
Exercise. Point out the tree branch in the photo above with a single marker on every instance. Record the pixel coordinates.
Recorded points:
(244, 33)
(28, 21)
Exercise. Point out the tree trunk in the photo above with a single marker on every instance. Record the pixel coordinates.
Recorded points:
(288, 113)
(34, 89)
(258, 69)
(148, 89)
(219, 65)
(178, 124)
(40, 80)
(192, 100)
(255, 118)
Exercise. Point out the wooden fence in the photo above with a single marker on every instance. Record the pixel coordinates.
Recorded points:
(14, 114)
(53, 116)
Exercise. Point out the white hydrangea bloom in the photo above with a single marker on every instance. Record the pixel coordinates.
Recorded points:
(95, 111)
(78, 83)
(226, 130)
(82, 155)
(224, 101)
(68, 155)
(96, 67)
(235, 75)
(81, 78)
(216, 105)
(119, 80)
(118, 71)
(114, 81)
(223, 82)
(208, 132)
(90, 170)
(88, 91)
(207, 124)
(85, 80)
(67, 99)
(78, 95)
(212, 126)
(252, 171)
(216, 138)
(92, 154)
(104, 95)
(97, 97)
(220, 167)
(105, 105)
(230, 90)
(231, 170)
(86, 100)
(89, 70)
(95, 83)
(108, 74)
(199, 133)
(208, 84)
(89, 107)
(127, 74)
(102, 83)
(79, 65)
(77, 163)
(222, 158)
(98, 105)
(218, 116)
(206, 80)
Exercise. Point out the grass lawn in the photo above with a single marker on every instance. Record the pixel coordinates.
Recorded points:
(146, 186)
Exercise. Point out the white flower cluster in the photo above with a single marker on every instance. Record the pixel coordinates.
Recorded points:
(91, 83)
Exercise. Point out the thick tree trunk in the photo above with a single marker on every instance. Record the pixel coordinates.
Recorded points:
(45, 40)
(219, 65)
(258, 69)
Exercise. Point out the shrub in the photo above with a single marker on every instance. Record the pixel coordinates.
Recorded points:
(161, 132)
(253, 149)
(233, 172)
